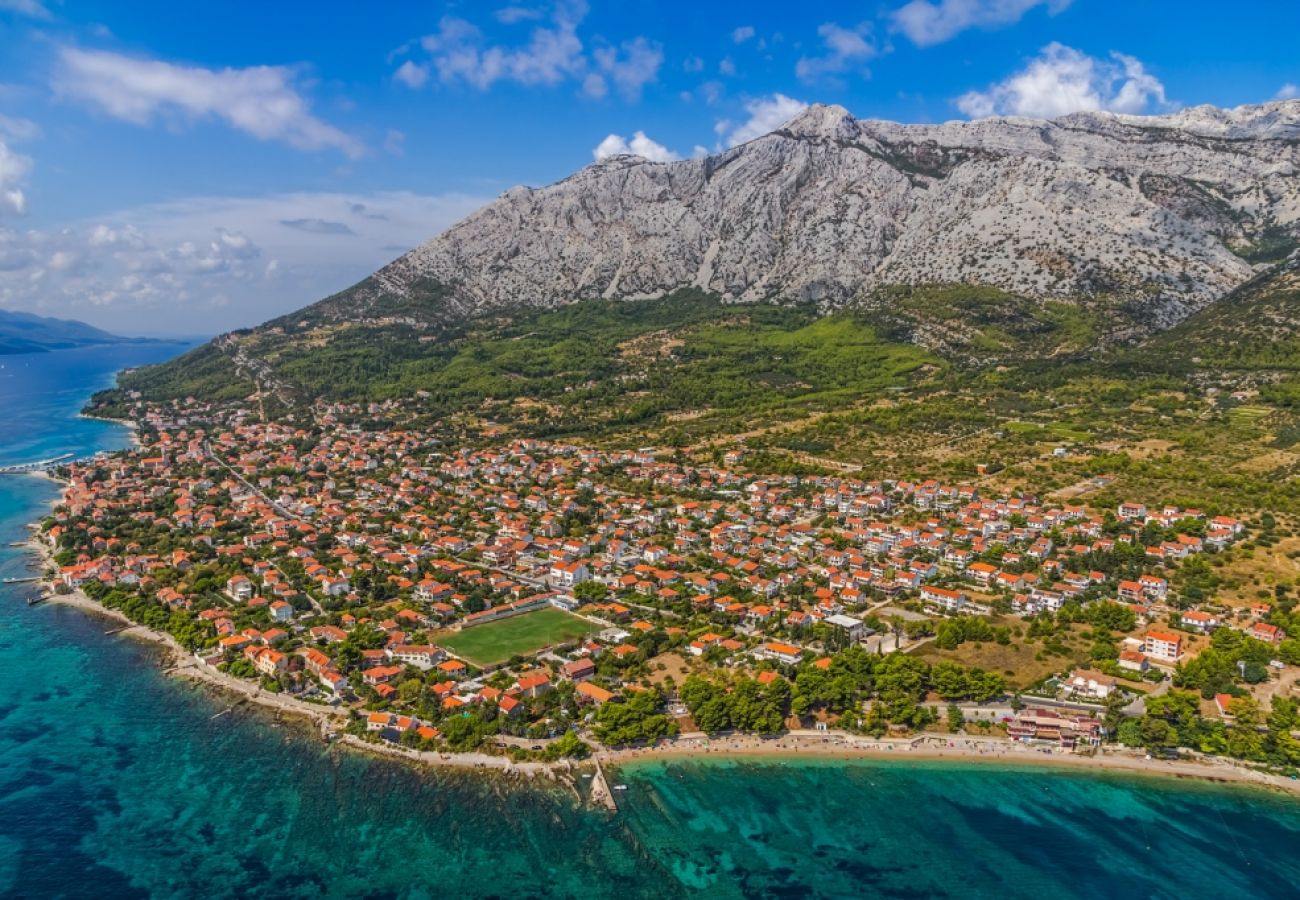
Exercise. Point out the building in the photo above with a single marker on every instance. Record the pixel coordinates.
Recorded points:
(1164, 646)
(1066, 730)
(1091, 683)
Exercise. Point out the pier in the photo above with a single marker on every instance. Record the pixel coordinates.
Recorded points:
(601, 795)
(40, 465)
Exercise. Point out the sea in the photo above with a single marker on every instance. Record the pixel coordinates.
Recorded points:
(117, 781)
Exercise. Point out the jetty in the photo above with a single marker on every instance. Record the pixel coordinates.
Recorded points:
(39, 465)
(600, 792)
(26, 579)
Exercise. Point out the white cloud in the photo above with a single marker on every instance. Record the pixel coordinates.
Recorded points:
(460, 54)
(1061, 80)
(211, 264)
(844, 48)
(260, 100)
(553, 53)
(511, 15)
(743, 33)
(640, 145)
(631, 66)
(412, 74)
(14, 168)
(32, 8)
(727, 66)
(1287, 91)
(926, 22)
(766, 114)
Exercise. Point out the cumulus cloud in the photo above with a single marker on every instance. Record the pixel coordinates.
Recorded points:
(458, 52)
(211, 264)
(552, 54)
(1061, 80)
(1287, 91)
(262, 101)
(842, 49)
(412, 74)
(766, 114)
(926, 22)
(640, 145)
(743, 33)
(631, 66)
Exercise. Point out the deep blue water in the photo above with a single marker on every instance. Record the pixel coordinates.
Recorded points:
(116, 782)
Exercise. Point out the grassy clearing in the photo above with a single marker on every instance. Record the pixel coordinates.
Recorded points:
(495, 642)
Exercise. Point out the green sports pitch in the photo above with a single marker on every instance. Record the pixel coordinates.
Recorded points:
(495, 642)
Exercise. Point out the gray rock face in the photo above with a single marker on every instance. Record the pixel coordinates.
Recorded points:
(830, 207)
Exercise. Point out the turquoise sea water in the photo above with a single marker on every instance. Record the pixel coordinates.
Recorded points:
(116, 782)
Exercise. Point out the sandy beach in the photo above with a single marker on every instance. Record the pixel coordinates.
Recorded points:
(942, 748)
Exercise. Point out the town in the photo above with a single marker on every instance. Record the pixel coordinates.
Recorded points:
(535, 598)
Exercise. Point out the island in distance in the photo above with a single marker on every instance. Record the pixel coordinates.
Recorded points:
(22, 332)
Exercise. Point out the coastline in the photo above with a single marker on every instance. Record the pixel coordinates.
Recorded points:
(942, 748)
(697, 747)
(131, 425)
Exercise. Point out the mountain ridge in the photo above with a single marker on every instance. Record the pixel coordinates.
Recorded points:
(982, 241)
(828, 208)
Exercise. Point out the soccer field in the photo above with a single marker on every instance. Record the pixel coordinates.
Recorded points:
(495, 642)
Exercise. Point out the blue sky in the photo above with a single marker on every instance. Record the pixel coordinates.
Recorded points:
(189, 168)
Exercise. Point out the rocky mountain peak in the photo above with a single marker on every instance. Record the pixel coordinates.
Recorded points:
(1158, 215)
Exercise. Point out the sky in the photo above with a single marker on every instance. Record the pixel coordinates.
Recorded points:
(192, 168)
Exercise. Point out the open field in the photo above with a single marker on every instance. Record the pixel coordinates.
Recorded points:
(496, 642)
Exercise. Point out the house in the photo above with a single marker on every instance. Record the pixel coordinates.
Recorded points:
(422, 656)
(281, 611)
(380, 675)
(534, 684)
(1199, 621)
(239, 588)
(569, 574)
(1164, 646)
(854, 629)
(1091, 683)
(1068, 731)
(591, 693)
(784, 653)
(1269, 634)
(1134, 661)
(944, 598)
(578, 670)
(269, 662)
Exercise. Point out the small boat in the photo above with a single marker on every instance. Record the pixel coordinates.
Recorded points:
(620, 787)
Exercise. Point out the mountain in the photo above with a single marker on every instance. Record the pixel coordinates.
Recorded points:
(1169, 211)
(27, 333)
(981, 241)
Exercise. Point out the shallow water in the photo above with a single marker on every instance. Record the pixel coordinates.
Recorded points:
(116, 782)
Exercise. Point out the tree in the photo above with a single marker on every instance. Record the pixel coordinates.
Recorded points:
(590, 591)
(956, 720)
(568, 745)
